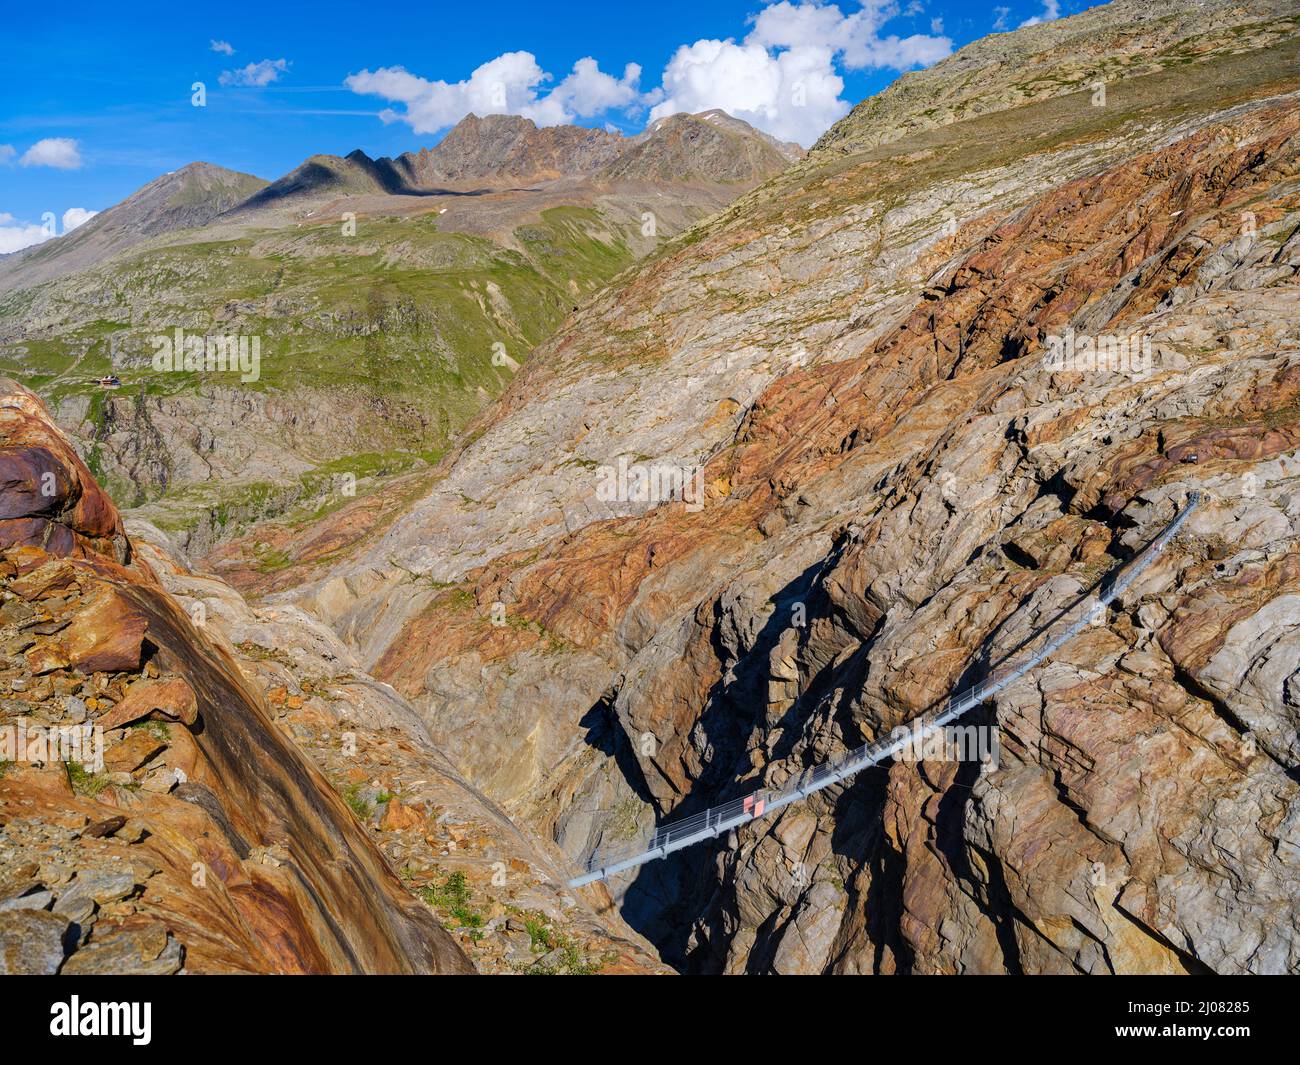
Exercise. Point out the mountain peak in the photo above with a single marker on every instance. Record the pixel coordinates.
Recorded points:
(474, 121)
(514, 147)
(711, 146)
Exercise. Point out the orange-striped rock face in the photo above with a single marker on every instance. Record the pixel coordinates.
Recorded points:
(152, 818)
(48, 497)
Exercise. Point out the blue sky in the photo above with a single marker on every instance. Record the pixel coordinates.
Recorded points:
(95, 102)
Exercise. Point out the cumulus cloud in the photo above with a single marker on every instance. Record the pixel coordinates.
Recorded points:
(782, 76)
(16, 235)
(1000, 23)
(255, 74)
(224, 47)
(1051, 12)
(76, 216)
(62, 153)
(794, 95)
(506, 85)
(7, 153)
(587, 90)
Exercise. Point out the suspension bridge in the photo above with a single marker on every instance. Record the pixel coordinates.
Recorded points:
(712, 822)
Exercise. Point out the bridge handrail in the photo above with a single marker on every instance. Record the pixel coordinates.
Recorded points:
(711, 822)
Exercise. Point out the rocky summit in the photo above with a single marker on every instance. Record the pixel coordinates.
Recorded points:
(767, 485)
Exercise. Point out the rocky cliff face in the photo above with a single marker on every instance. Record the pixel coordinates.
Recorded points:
(219, 792)
(708, 147)
(508, 147)
(199, 839)
(900, 480)
(711, 146)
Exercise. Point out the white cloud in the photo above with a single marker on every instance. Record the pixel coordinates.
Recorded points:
(59, 152)
(255, 74)
(786, 25)
(15, 235)
(7, 153)
(224, 47)
(794, 95)
(76, 216)
(782, 78)
(1000, 23)
(1051, 12)
(866, 48)
(588, 90)
(506, 85)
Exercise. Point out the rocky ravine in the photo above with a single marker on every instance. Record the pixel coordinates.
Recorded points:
(262, 804)
(855, 353)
